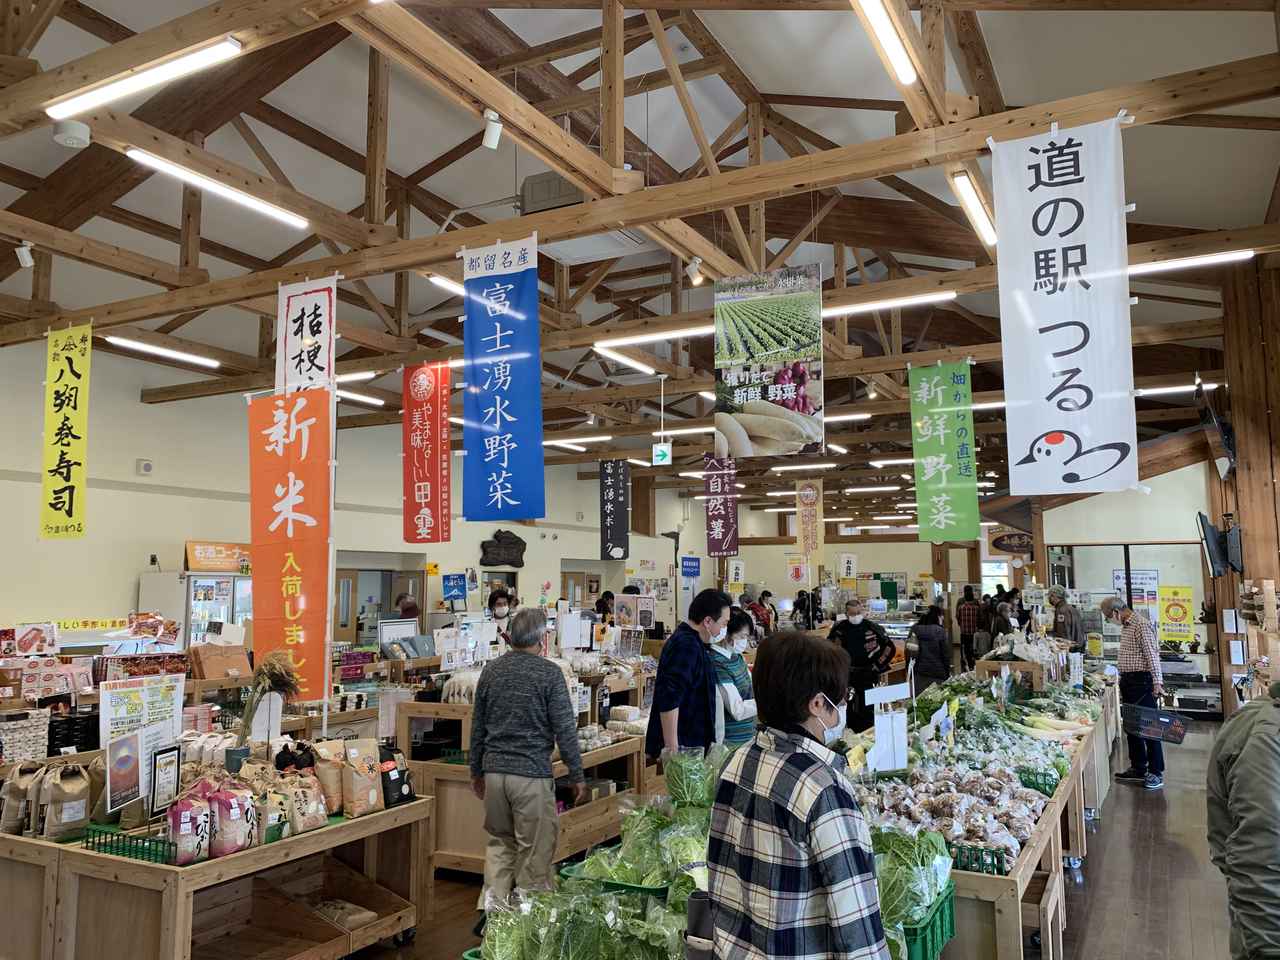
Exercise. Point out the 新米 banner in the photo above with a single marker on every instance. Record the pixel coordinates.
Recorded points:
(290, 503)
(1064, 311)
(809, 523)
(615, 510)
(768, 357)
(718, 486)
(502, 403)
(427, 457)
(945, 459)
(66, 433)
(305, 334)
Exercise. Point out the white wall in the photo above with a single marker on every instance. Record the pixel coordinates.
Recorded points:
(199, 490)
(1167, 513)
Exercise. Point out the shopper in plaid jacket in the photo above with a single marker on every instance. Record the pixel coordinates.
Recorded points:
(791, 865)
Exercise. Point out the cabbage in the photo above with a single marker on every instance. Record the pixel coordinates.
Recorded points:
(911, 873)
(689, 777)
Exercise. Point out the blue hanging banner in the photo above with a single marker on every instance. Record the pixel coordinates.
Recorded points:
(502, 475)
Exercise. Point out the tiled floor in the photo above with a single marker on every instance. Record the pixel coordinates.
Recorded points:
(1147, 889)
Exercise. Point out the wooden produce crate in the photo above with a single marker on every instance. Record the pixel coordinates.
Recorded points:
(1044, 909)
(248, 921)
(1074, 842)
(319, 878)
(1030, 669)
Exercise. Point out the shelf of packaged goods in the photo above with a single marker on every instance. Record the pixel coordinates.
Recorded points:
(194, 690)
(396, 669)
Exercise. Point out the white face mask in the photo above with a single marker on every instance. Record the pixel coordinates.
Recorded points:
(856, 618)
(740, 644)
(831, 734)
(499, 612)
(719, 637)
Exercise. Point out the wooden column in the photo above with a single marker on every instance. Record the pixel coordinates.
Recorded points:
(644, 506)
(975, 564)
(939, 562)
(1224, 590)
(42, 276)
(1251, 317)
(612, 84)
(755, 156)
(403, 218)
(189, 227)
(375, 163)
(1039, 549)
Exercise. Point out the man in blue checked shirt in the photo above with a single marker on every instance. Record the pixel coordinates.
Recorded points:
(791, 865)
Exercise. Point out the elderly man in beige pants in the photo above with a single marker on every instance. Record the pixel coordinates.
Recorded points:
(522, 710)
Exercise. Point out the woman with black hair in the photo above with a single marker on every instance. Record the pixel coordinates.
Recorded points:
(736, 705)
(500, 609)
(930, 646)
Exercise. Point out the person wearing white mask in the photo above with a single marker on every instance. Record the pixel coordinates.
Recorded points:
(736, 706)
(790, 862)
(870, 651)
(684, 693)
(500, 609)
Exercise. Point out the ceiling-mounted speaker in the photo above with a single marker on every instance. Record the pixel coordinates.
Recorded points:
(72, 134)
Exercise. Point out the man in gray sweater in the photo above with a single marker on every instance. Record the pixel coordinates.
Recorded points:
(522, 709)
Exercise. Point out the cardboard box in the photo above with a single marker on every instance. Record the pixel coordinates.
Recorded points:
(214, 661)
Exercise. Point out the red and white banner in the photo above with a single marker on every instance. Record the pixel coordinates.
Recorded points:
(427, 457)
(809, 532)
(290, 508)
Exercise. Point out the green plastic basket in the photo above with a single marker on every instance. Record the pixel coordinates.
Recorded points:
(472, 954)
(979, 859)
(573, 871)
(926, 939)
(1044, 781)
(450, 755)
(149, 849)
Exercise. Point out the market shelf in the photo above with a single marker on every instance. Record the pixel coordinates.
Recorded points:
(260, 923)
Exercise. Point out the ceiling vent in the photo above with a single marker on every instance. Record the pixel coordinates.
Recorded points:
(550, 191)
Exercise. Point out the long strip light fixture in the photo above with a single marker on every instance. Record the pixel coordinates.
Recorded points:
(702, 330)
(355, 377)
(682, 431)
(576, 443)
(444, 283)
(639, 463)
(179, 355)
(837, 448)
(972, 204)
(845, 417)
(1163, 391)
(624, 360)
(887, 489)
(889, 40)
(1187, 263)
(805, 466)
(223, 50)
(895, 462)
(938, 296)
(360, 398)
(217, 188)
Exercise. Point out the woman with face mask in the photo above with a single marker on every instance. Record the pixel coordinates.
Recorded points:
(500, 610)
(736, 705)
(792, 872)
(870, 654)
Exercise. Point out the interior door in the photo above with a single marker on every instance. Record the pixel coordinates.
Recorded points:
(412, 584)
(573, 587)
(344, 606)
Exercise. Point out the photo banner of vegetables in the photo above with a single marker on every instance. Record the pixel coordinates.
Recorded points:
(942, 443)
(768, 357)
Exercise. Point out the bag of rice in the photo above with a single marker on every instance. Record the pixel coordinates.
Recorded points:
(64, 800)
(258, 774)
(34, 822)
(330, 759)
(188, 818)
(362, 779)
(13, 795)
(306, 803)
(272, 806)
(233, 820)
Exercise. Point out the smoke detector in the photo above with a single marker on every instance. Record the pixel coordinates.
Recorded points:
(72, 134)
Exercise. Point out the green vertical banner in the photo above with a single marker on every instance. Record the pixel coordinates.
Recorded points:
(942, 443)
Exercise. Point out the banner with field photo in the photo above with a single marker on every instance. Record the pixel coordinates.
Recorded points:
(768, 358)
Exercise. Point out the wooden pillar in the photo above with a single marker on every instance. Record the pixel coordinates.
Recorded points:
(1251, 318)
(933, 30)
(644, 502)
(1224, 590)
(676, 295)
(375, 164)
(755, 156)
(612, 84)
(974, 557)
(189, 226)
(42, 276)
(403, 217)
(1039, 549)
(562, 286)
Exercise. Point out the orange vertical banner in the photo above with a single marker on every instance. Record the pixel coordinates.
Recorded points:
(290, 500)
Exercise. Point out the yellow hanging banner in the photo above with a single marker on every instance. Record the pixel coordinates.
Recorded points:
(66, 433)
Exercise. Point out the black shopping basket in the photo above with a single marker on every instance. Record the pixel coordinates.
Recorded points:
(1153, 723)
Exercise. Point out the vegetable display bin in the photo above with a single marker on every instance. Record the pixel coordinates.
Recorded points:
(573, 871)
(926, 939)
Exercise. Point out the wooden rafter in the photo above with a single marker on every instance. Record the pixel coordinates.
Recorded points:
(375, 151)
(589, 284)
(612, 81)
(804, 234)
(632, 87)
(720, 146)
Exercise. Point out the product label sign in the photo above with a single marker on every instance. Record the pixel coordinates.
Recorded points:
(305, 334)
(719, 486)
(65, 444)
(615, 510)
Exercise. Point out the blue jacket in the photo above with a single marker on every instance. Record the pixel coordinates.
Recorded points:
(686, 680)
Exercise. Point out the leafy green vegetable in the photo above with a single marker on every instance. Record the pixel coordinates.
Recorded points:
(504, 936)
(688, 778)
(911, 872)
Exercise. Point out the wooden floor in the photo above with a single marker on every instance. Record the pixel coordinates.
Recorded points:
(1147, 889)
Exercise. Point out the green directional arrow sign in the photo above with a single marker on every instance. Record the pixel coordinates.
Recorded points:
(661, 455)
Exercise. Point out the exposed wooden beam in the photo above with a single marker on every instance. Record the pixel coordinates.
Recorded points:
(230, 359)
(593, 281)
(805, 233)
(580, 42)
(839, 103)
(632, 87)
(189, 225)
(755, 157)
(375, 151)
(975, 60)
(589, 69)
(612, 80)
(719, 146)
(403, 216)
(255, 23)
(34, 24)
(446, 159)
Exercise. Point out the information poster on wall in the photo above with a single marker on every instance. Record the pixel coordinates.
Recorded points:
(1145, 585)
(1177, 620)
(65, 443)
(797, 568)
(768, 356)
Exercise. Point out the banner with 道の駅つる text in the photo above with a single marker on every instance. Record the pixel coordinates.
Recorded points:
(1064, 311)
(502, 475)
(66, 433)
(768, 356)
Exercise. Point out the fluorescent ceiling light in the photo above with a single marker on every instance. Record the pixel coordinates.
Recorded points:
(887, 34)
(457, 362)
(702, 330)
(896, 462)
(904, 506)
(716, 496)
(217, 188)
(639, 463)
(681, 431)
(1162, 391)
(706, 395)
(599, 438)
(624, 360)
(871, 489)
(1186, 263)
(893, 302)
(458, 420)
(990, 405)
(988, 523)
(779, 509)
(355, 377)
(890, 516)
(806, 466)
(844, 417)
(985, 483)
(695, 474)
(992, 473)
(741, 486)
(837, 448)
(361, 398)
(838, 519)
(906, 476)
(875, 526)
(444, 283)
(220, 52)
(781, 493)
(972, 204)
(564, 445)
(179, 355)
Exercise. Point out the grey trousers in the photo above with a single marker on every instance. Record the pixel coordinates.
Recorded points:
(520, 818)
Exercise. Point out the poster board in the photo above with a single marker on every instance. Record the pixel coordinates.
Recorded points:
(138, 716)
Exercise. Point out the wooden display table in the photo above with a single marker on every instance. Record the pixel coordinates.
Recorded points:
(67, 903)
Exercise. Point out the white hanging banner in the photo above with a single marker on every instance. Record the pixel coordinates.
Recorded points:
(1064, 311)
(305, 321)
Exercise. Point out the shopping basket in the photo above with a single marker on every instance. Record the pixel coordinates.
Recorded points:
(1152, 723)
(926, 939)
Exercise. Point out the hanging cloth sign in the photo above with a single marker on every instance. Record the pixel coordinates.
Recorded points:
(305, 321)
(615, 510)
(66, 433)
(718, 485)
(425, 444)
(942, 444)
(502, 404)
(809, 532)
(290, 510)
(768, 357)
(1064, 311)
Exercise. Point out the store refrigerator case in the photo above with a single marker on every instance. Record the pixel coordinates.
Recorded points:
(220, 597)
